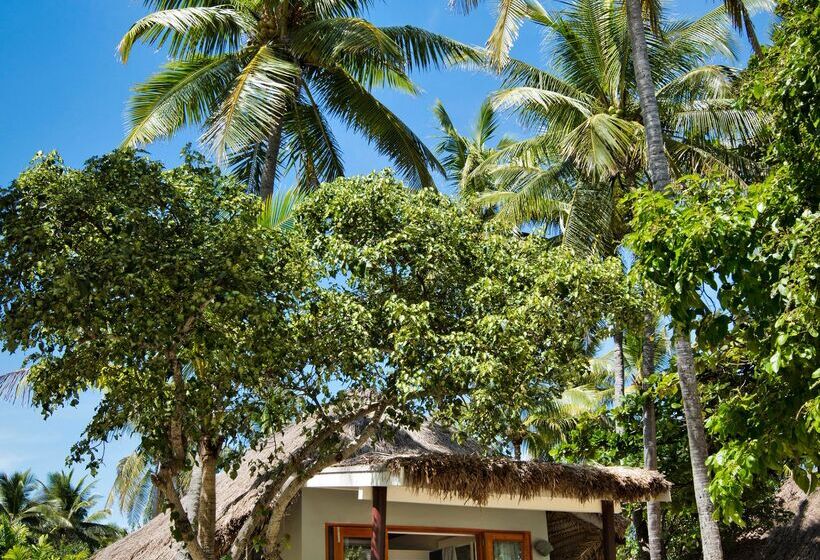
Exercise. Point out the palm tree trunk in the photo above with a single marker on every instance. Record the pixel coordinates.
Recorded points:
(654, 515)
(650, 442)
(268, 179)
(618, 336)
(709, 530)
(618, 398)
(658, 165)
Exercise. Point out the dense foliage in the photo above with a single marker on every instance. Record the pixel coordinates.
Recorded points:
(357, 306)
(52, 519)
(377, 304)
(527, 338)
(139, 281)
(740, 264)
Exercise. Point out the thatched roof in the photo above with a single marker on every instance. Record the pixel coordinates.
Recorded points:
(475, 478)
(799, 539)
(577, 536)
(429, 458)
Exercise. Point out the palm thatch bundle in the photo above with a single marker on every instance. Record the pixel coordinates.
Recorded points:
(476, 478)
(798, 539)
(577, 536)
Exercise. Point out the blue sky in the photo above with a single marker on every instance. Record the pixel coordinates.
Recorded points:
(64, 89)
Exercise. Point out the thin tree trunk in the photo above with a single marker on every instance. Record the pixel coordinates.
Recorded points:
(654, 514)
(191, 504)
(207, 499)
(641, 533)
(698, 451)
(658, 165)
(650, 443)
(268, 179)
(516, 449)
(164, 480)
(620, 375)
(280, 502)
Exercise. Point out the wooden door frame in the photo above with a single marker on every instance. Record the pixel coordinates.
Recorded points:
(336, 532)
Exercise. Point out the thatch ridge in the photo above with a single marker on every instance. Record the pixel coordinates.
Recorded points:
(476, 478)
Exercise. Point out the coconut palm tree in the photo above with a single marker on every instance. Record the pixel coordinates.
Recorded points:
(17, 500)
(659, 166)
(263, 77)
(461, 154)
(66, 504)
(133, 490)
(589, 144)
(550, 425)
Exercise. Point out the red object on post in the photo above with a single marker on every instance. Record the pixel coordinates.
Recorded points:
(378, 538)
(608, 530)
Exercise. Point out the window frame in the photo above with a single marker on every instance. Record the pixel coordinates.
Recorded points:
(335, 533)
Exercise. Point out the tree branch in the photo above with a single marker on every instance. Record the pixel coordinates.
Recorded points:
(164, 481)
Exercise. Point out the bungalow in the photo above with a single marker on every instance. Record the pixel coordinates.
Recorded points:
(421, 496)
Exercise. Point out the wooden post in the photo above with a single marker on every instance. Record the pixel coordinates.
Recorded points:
(378, 539)
(608, 529)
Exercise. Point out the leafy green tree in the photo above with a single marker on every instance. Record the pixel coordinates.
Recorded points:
(263, 76)
(167, 284)
(12, 533)
(752, 249)
(749, 247)
(43, 550)
(156, 280)
(529, 326)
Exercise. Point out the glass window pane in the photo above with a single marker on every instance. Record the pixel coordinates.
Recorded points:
(507, 550)
(357, 549)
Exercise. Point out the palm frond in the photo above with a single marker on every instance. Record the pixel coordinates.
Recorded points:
(183, 93)
(519, 97)
(15, 388)
(511, 14)
(312, 148)
(423, 50)
(255, 105)
(712, 81)
(191, 30)
(600, 144)
(335, 38)
(718, 120)
(358, 108)
(133, 490)
(278, 211)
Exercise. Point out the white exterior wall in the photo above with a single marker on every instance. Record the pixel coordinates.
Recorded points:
(318, 506)
(292, 533)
